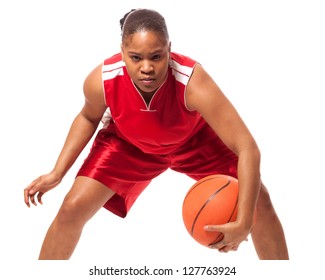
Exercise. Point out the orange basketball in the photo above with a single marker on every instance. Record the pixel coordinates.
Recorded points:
(210, 201)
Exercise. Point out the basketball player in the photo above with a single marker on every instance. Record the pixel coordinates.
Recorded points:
(160, 110)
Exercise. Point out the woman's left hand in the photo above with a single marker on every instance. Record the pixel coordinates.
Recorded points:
(233, 233)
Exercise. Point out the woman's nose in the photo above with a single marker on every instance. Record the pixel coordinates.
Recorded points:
(146, 67)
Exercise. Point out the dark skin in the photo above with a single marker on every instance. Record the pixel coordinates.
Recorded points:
(146, 56)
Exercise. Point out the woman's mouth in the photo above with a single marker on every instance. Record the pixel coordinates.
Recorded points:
(147, 81)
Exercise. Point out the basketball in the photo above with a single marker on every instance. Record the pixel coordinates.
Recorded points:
(210, 201)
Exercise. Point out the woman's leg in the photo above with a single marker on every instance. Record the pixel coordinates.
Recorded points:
(84, 199)
(267, 234)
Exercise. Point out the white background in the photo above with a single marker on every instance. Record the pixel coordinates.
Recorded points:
(267, 56)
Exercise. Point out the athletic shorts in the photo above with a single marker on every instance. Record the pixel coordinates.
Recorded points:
(127, 170)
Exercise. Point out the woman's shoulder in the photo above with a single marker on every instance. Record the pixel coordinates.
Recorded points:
(114, 59)
(182, 67)
(182, 60)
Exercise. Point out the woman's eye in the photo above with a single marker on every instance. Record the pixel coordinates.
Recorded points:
(135, 58)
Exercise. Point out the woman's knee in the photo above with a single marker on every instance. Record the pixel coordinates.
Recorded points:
(70, 212)
(84, 199)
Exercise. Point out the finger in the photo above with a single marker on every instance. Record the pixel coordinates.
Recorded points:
(39, 197)
(227, 248)
(235, 248)
(33, 189)
(32, 199)
(224, 249)
(213, 228)
(221, 244)
(26, 197)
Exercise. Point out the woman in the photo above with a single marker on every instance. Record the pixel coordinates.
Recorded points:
(161, 110)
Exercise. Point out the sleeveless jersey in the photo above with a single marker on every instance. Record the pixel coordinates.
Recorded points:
(159, 127)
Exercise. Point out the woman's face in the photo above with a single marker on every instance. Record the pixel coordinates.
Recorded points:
(146, 56)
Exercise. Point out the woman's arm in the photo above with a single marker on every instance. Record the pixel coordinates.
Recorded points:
(85, 123)
(204, 96)
(81, 131)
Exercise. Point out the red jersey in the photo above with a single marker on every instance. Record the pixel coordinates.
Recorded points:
(140, 141)
(165, 123)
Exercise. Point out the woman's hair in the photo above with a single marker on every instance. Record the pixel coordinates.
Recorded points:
(143, 20)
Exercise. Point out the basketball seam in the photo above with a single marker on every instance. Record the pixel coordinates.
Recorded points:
(206, 202)
(199, 183)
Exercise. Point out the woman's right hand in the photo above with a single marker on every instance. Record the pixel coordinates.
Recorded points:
(39, 187)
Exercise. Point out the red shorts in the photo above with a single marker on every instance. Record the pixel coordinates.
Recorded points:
(127, 170)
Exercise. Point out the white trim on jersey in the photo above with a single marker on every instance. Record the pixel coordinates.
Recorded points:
(180, 72)
(106, 117)
(110, 71)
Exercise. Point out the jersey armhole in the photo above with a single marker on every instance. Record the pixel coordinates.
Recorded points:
(185, 104)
